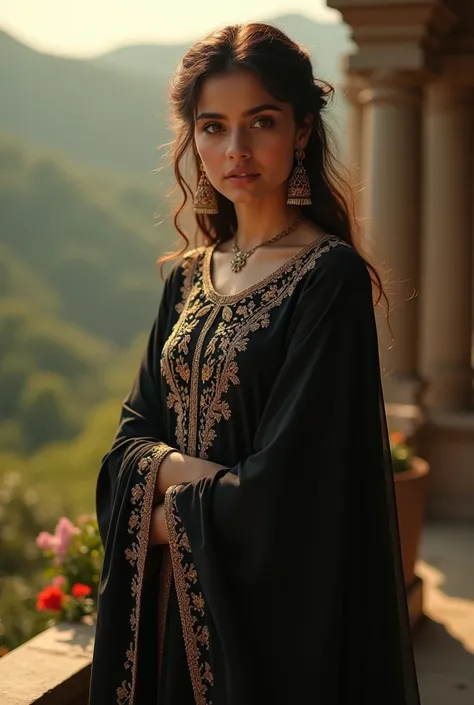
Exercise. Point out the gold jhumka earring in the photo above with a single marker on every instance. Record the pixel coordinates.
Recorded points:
(205, 199)
(299, 188)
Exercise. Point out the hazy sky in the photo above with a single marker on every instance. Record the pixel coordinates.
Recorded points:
(87, 27)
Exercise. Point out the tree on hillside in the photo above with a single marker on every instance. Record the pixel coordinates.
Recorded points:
(46, 411)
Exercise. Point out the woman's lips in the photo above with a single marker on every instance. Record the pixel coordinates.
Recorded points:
(242, 179)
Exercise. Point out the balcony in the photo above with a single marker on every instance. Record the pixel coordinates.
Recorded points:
(54, 667)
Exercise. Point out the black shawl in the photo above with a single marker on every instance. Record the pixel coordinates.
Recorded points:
(284, 567)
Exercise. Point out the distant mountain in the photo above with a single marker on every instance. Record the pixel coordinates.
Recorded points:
(150, 60)
(326, 41)
(98, 115)
(112, 111)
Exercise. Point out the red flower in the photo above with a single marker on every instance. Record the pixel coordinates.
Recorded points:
(51, 598)
(80, 590)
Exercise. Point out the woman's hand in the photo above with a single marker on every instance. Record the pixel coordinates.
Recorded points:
(158, 529)
(177, 468)
(174, 470)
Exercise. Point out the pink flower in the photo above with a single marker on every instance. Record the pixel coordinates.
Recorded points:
(58, 581)
(58, 542)
(46, 541)
(65, 530)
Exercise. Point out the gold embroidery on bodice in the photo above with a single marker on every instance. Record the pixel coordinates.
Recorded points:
(199, 368)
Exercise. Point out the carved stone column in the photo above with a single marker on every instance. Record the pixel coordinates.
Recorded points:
(391, 208)
(446, 289)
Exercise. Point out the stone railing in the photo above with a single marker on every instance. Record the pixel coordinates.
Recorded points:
(51, 669)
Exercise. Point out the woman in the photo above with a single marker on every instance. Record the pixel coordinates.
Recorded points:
(247, 504)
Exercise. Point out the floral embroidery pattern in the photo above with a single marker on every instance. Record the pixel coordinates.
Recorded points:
(178, 375)
(187, 269)
(191, 603)
(141, 500)
(197, 386)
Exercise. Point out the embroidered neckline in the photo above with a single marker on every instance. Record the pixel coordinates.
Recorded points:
(217, 298)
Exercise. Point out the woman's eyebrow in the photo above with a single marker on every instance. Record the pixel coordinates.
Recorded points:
(247, 113)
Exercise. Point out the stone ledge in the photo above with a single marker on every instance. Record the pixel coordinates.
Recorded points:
(51, 669)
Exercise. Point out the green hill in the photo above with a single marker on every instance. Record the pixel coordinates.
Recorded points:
(96, 114)
(89, 237)
(79, 286)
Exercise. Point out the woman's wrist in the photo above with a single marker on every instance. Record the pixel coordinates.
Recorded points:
(158, 529)
(167, 473)
(177, 468)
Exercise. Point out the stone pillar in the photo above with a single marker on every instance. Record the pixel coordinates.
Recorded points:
(446, 280)
(391, 210)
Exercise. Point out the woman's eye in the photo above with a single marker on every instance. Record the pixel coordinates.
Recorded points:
(212, 128)
(264, 121)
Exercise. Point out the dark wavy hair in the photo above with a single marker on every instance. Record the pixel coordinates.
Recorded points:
(285, 69)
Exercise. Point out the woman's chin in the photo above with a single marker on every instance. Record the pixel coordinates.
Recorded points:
(242, 199)
(244, 196)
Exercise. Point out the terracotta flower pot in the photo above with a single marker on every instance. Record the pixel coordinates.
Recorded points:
(411, 490)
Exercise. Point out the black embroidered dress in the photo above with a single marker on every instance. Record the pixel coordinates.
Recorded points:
(282, 582)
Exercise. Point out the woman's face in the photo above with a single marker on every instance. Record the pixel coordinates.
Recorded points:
(246, 139)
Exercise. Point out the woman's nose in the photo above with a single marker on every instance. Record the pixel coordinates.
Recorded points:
(238, 147)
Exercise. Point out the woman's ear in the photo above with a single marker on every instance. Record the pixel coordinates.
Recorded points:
(303, 133)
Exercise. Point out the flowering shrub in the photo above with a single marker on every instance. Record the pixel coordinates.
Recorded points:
(401, 451)
(75, 554)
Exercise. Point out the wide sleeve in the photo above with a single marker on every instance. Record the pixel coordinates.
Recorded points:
(287, 566)
(124, 501)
